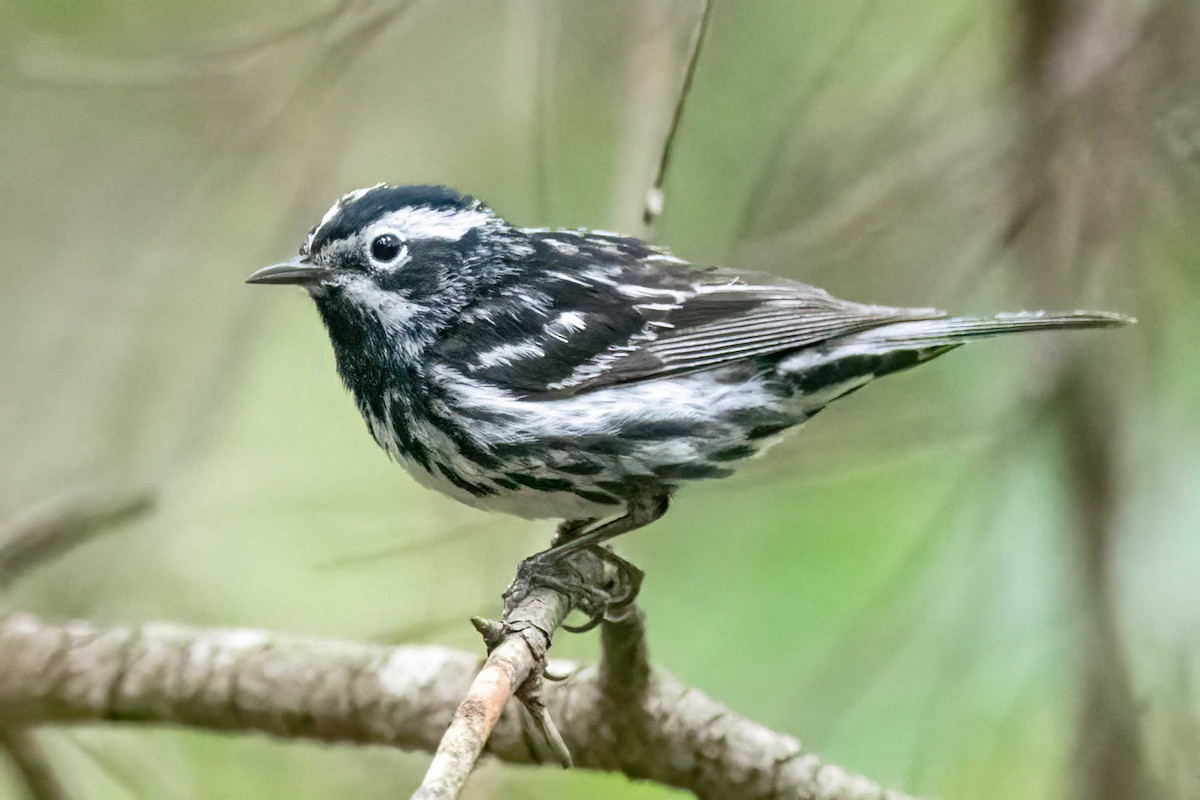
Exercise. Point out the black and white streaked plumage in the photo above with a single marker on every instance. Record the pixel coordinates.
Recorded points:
(584, 375)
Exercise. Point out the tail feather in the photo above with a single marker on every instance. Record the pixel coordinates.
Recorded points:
(842, 365)
(959, 330)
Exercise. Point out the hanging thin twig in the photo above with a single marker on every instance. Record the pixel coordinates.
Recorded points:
(654, 197)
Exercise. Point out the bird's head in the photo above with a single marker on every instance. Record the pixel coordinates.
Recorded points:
(397, 256)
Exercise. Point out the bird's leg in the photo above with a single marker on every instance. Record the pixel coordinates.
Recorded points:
(568, 529)
(641, 511)
(552, 568)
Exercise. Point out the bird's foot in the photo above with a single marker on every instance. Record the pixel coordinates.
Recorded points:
(567, 572)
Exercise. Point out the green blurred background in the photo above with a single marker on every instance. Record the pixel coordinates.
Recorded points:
(929, 584)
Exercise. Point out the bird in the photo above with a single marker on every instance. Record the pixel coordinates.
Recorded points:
(583, 375)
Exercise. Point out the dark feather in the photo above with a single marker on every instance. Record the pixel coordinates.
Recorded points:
(637, 314)
(731, 318)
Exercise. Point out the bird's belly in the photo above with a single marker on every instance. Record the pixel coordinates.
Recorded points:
(534, 504)
(522, 501)
(496, 487)
(583, 456)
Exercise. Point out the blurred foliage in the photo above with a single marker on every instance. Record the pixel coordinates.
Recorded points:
(893, 584)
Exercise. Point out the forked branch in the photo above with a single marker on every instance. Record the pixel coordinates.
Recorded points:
(250, 680)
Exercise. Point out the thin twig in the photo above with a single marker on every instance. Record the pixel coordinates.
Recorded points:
(39, 63)
(884, 619)
(916, 86)
(516, 651)
(31, 764)
(517, 648)
(654, 197)
(50, 530)
(399, 550)
(547, 47)
(771, 166)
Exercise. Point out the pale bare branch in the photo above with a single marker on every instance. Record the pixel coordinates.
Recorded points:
(255, 681)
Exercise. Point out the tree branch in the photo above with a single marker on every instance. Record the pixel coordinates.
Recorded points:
(43, 534)
(250, 680)
(515, 667)
(516, 655)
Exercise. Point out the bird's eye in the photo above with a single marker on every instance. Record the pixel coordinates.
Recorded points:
(386, 247)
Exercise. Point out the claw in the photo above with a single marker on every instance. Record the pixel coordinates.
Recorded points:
(552, 569)
(554, 677)
(628, 577)
(544, 570)
(596, 618)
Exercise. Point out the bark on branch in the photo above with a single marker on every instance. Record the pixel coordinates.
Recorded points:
(516, 655)
(250, 680)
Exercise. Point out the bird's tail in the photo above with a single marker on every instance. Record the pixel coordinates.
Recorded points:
(952, 331)
(841, 365)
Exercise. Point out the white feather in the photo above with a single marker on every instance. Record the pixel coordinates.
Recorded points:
(508, 353)
(435, 223)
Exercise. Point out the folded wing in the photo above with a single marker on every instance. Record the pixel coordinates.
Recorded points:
(595, 310)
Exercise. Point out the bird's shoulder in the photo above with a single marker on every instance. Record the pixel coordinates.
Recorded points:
(568, 297)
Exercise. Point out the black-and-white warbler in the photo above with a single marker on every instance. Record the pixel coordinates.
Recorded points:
(583, 375)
